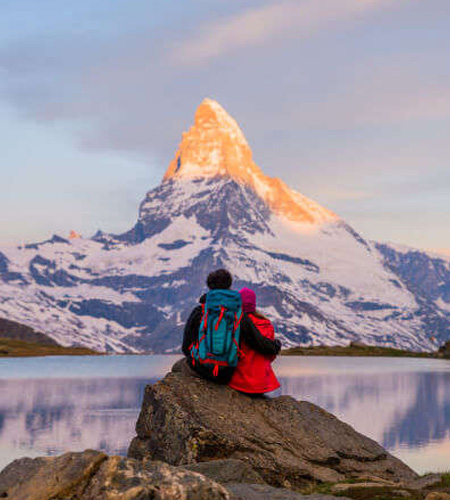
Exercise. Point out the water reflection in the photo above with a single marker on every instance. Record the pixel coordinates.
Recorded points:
(403, 404)
(396, 409)
(52, 416)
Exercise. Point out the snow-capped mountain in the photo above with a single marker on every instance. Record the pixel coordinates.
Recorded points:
(315, 276)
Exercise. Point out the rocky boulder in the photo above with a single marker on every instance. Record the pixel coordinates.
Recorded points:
(288, 443)
(92, 475)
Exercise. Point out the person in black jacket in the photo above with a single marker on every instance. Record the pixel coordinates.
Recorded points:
(222, 279)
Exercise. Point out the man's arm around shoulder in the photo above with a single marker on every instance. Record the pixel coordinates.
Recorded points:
(253, 338)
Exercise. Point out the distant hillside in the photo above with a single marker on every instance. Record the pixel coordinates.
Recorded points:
(13, 348)
(356, 350)
(13, 330)
(17, 340)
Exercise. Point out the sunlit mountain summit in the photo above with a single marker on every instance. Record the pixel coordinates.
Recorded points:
(216, 147)
(315, 276)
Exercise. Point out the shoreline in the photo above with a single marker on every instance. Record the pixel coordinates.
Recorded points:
(359, 351)
(15, 348)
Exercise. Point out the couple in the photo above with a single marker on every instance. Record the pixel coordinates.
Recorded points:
(228, 341)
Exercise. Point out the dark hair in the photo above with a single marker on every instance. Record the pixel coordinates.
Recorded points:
(220, 279)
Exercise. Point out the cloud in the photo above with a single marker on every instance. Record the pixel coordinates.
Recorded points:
(382, 94)
(256, 26)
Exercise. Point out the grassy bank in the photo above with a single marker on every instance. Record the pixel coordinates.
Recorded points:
(356, 350)
(22, 348)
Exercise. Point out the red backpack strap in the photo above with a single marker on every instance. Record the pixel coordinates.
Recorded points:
(237, 321)
(205, 320)
(222, 312)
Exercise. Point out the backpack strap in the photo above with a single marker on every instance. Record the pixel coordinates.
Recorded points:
(204, 318)
(237, 322)
(203, 324)
(222, 312)
(216, 364)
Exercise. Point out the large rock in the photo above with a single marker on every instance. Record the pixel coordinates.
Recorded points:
(289, 443)
(92, 475)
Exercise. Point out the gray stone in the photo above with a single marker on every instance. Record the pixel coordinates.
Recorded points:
(227, 471)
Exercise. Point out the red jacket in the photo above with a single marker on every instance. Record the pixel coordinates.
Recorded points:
(254, 373)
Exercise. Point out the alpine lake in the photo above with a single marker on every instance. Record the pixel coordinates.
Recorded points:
(55, 404)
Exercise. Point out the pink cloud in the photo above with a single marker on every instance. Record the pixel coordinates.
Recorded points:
(254, 27)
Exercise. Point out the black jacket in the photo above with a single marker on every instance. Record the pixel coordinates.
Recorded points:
(249, 334)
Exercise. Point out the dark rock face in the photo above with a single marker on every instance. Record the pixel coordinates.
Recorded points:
(227, 471)
(3, 263)
(92, 475)
(428, 278)
(185, 419)
(217, 207)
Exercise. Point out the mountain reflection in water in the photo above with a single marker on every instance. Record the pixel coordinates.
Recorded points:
(53, 416)
(402, 404)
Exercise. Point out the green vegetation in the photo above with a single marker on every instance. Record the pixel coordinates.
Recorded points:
(355, 350)
(17, 348)
(445, 482)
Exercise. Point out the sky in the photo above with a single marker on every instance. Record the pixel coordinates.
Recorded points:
(348, 101)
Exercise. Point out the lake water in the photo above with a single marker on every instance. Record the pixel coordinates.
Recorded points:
(55, 404)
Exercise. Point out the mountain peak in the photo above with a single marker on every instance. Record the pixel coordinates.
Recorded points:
(210, 114)
(215, 146)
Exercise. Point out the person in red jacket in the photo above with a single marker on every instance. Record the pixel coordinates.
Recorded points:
(254, 374)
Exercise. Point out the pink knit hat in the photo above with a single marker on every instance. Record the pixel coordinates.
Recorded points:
(248, 300)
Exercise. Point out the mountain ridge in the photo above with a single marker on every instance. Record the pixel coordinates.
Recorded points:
(315, 276)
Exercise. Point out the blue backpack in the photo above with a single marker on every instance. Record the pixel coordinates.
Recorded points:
(218, 336)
